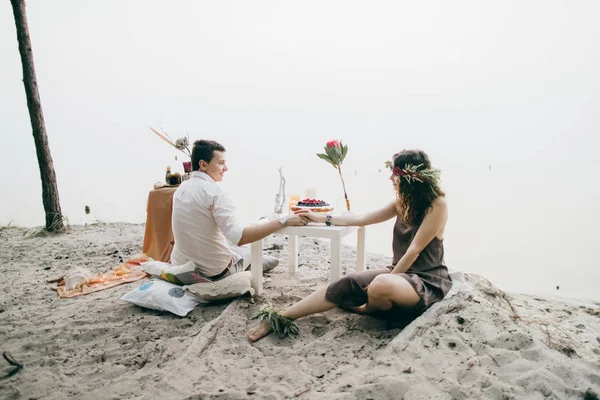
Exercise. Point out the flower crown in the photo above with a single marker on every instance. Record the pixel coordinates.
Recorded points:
(412, 173)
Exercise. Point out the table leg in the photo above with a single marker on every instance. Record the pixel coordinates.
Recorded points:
(256, 266)
(293, 254)
(361, 254)
(336, 258)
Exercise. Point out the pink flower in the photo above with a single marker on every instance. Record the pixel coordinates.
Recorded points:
(399, 171)
(333, 143)
(335, 152)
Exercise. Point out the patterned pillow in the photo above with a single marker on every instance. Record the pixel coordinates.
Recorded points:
(178, 274)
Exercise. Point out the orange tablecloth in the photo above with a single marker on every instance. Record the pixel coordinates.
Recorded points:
(158, 237)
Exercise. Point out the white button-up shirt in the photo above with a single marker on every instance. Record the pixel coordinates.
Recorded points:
(203, 220)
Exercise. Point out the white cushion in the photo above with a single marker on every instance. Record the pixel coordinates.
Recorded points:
(227, 288)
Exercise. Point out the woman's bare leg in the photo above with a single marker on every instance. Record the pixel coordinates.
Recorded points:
(389, 289)
(311, 304)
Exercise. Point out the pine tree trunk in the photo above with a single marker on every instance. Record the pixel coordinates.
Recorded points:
(54, 219)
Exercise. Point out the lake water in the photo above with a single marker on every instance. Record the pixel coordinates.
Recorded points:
(494, 228)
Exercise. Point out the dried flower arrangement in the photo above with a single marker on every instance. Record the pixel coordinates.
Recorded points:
(182, 144)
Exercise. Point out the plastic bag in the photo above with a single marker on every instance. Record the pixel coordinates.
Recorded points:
(76, 278)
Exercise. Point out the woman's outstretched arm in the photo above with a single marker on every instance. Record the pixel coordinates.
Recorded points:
(374, 217)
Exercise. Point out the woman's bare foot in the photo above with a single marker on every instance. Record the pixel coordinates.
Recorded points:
(259, 331)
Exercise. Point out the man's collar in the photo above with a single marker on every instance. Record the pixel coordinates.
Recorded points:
(202, 175)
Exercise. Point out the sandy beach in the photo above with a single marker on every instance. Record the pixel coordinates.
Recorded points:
(478, 344)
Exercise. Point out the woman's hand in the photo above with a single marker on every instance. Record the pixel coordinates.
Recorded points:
(296, 220)
(374, 217)
(309, 215)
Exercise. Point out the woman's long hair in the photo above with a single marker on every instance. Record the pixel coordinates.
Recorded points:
(414, 197)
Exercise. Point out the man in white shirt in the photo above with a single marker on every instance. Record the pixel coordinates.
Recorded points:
(204, 220)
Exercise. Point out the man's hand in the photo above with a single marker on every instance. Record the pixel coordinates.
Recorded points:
(253, 233)
(296, 220)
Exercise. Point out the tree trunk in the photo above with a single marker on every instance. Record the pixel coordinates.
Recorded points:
(54, 219)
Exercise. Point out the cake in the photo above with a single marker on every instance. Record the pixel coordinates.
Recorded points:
(312, 205)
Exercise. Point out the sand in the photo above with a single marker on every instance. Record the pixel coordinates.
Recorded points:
(478, 344)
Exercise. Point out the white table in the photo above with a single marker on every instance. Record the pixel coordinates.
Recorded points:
(334, 233)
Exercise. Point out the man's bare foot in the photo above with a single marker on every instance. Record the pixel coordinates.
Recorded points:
(259, 331)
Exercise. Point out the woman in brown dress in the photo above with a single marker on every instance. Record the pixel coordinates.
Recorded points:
(418, 277)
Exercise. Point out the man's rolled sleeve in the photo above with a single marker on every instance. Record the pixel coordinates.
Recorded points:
(224, 215)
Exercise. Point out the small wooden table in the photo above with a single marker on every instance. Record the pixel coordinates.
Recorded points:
(334, 233)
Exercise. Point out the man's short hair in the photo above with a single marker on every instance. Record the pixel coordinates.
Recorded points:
(204, 150)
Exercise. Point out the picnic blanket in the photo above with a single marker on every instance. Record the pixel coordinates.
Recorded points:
(80, 281)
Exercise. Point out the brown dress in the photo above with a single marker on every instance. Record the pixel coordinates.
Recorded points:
(428, 276)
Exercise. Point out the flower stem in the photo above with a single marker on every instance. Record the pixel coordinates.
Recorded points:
(344, 186)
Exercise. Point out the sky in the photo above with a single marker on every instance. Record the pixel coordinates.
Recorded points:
(503, 96)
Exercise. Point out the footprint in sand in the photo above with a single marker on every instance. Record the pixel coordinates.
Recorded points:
(318, 324)
(512, 341)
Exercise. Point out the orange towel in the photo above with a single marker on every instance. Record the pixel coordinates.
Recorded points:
(158, 236)
(131, 271)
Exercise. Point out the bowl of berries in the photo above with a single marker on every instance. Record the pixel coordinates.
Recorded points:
(314, 205)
